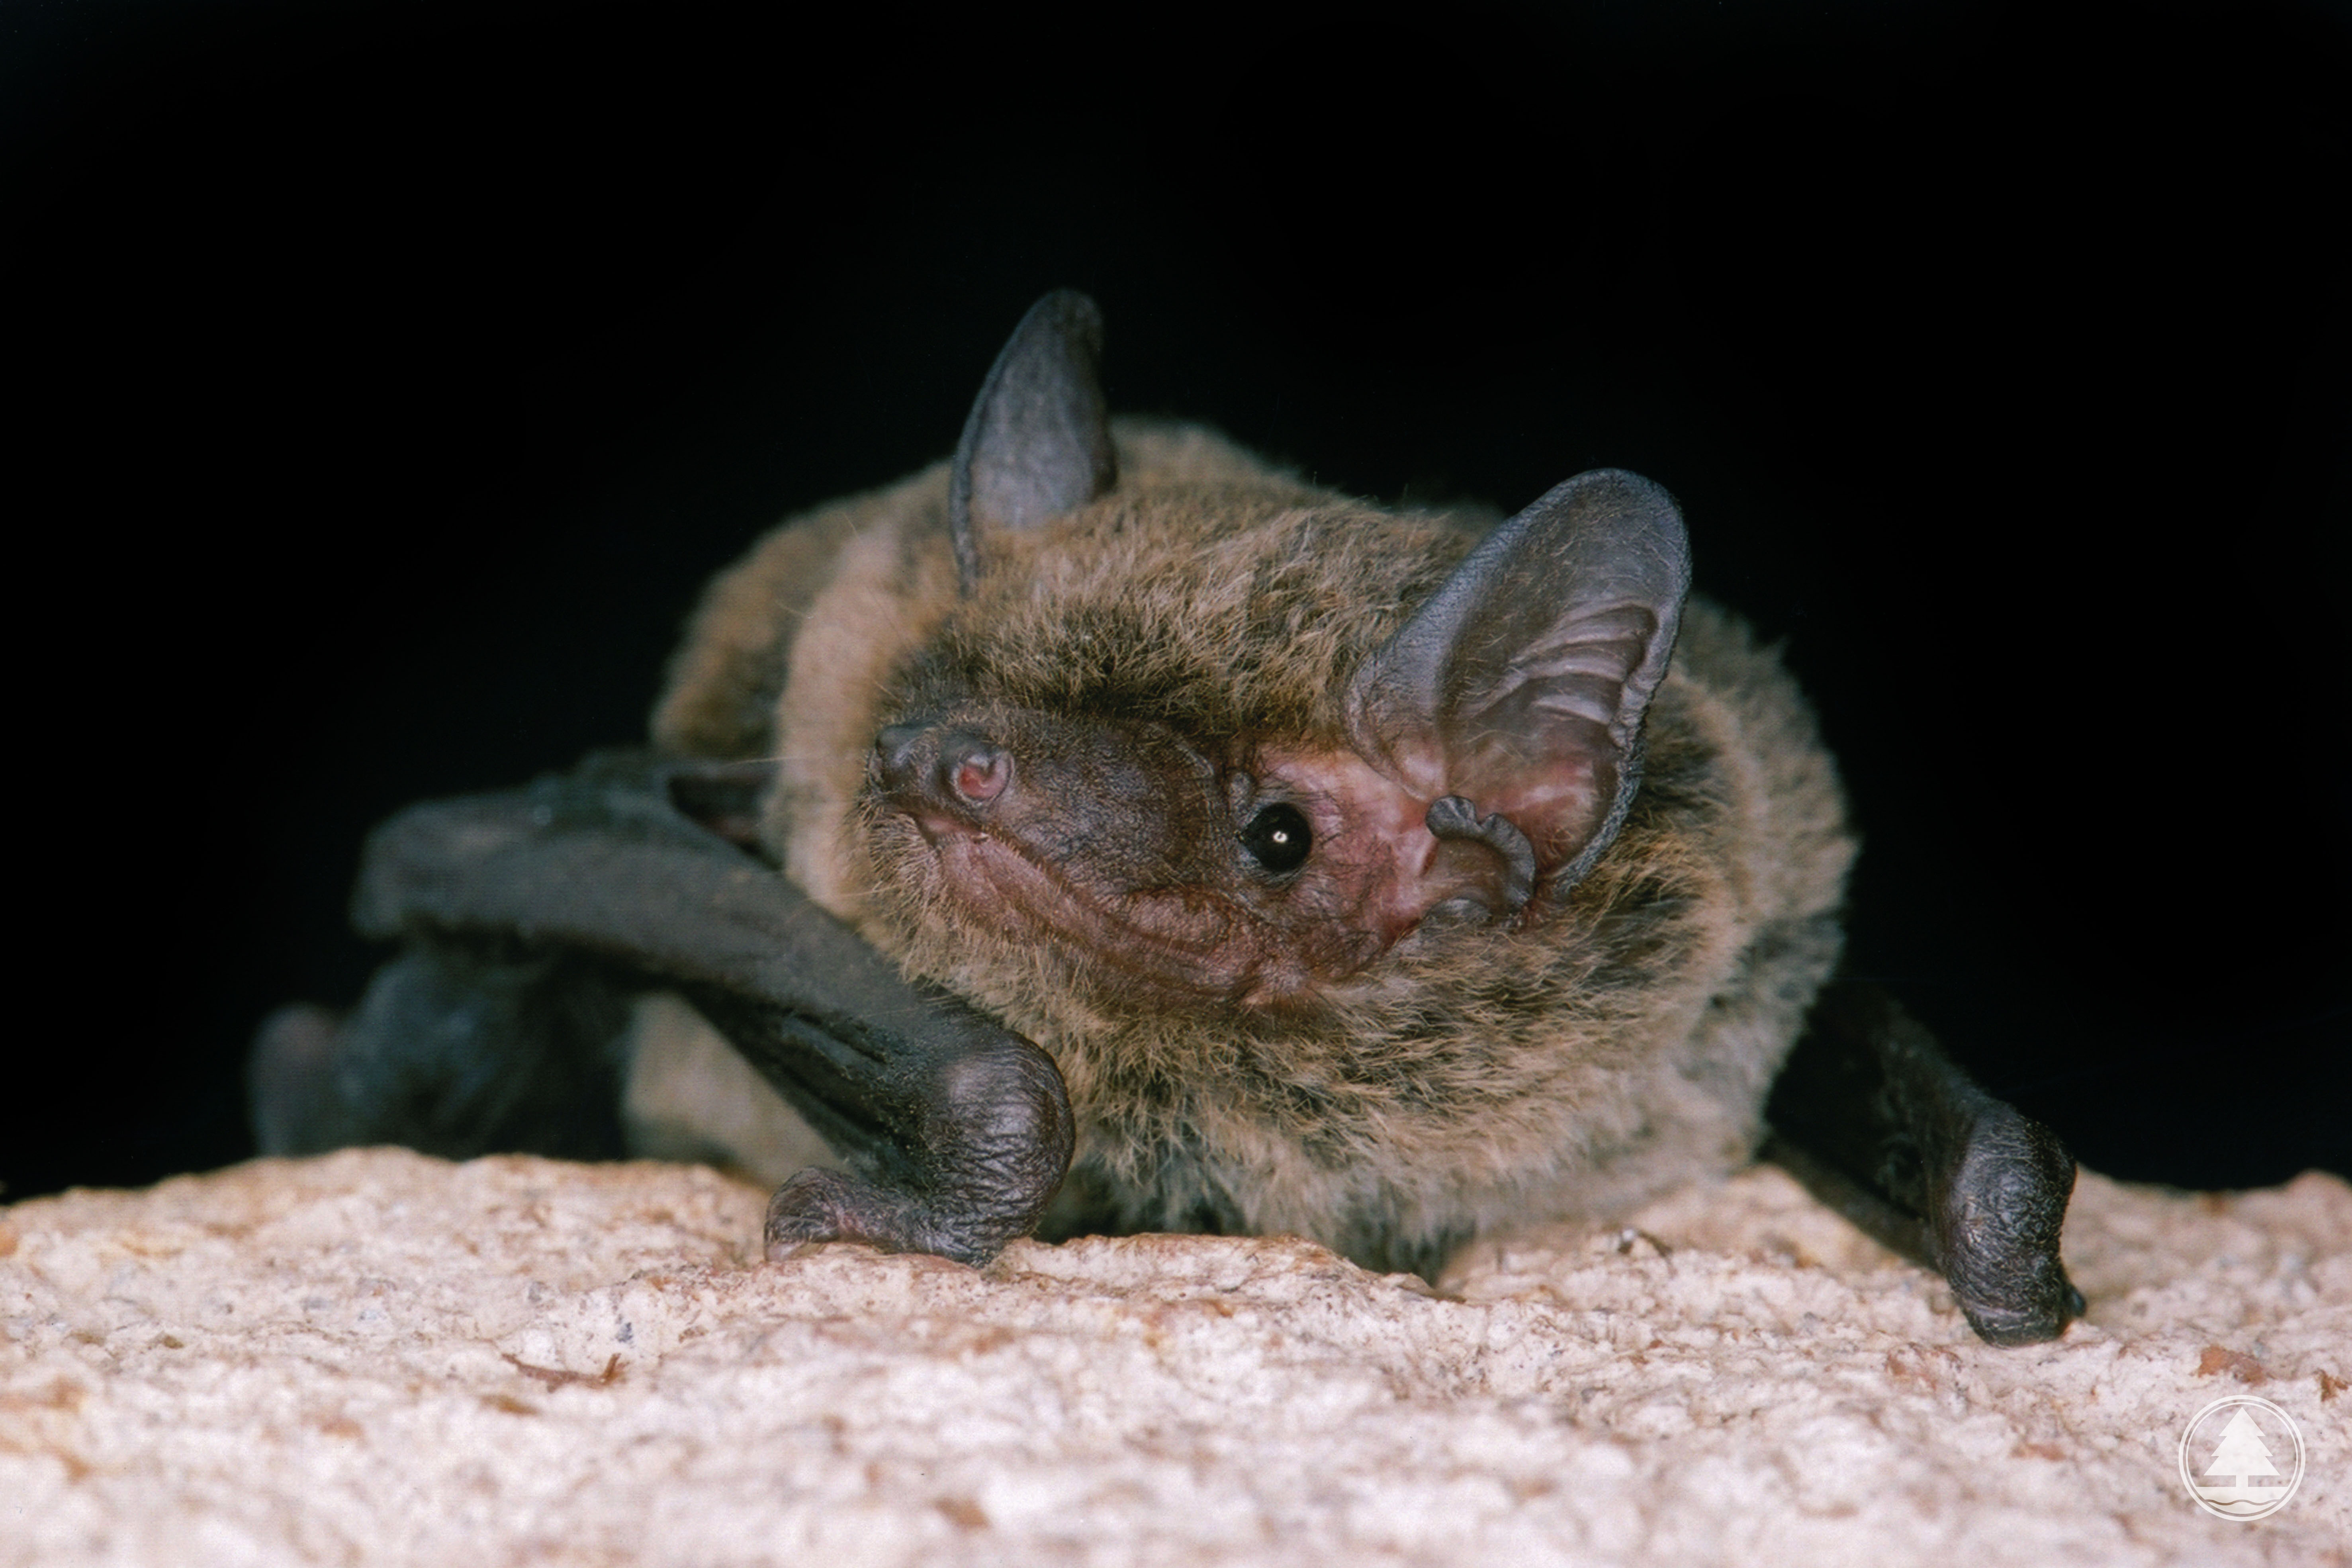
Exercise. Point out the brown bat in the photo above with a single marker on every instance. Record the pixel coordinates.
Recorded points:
(1142, 837)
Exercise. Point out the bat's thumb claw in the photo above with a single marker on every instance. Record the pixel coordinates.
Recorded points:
(782, 1251)
(818, 1206)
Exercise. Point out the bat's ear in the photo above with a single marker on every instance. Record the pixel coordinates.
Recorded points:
(1521, 684)
(1037, 443)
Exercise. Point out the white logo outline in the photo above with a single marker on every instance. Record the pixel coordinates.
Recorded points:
(2241, 1439)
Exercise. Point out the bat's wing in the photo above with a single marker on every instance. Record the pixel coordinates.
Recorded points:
(518, 906)
(1872, 1115)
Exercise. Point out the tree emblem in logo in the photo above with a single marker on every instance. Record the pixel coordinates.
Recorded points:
(2241, 1458)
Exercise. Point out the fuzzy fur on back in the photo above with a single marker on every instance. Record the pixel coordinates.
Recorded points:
(1571, 1069)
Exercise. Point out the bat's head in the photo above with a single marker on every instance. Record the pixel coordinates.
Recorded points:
(1190, 745)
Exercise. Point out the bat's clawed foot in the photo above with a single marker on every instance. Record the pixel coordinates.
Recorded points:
(1996, 1223)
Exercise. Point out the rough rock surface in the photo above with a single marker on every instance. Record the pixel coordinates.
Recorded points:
(375, 1357)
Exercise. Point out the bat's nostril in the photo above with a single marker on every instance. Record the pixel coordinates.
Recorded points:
(974, 769)
(924, 763)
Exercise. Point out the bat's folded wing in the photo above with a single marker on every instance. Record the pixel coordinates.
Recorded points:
(1873, 1117)
(959, 1131)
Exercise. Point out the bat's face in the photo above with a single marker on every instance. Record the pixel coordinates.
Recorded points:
(1187, 871)
(1181, 748)
(1128, 752)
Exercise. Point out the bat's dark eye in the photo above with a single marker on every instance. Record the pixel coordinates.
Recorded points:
(1278, 837)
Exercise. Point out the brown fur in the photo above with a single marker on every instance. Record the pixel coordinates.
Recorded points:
(1571, 1069)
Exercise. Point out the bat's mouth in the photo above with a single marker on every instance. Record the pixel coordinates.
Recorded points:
(1182, 945)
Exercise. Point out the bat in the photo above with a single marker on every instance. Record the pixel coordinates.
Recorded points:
(1109, 830)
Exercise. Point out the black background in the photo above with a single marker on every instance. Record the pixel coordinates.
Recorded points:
(386, 379)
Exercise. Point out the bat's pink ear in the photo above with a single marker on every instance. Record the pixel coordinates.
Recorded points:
(1037, 443)
(1520, 686)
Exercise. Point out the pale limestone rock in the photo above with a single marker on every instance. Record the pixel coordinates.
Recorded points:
(375, 1357)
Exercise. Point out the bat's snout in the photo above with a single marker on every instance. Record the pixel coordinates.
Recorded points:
(926, 767)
